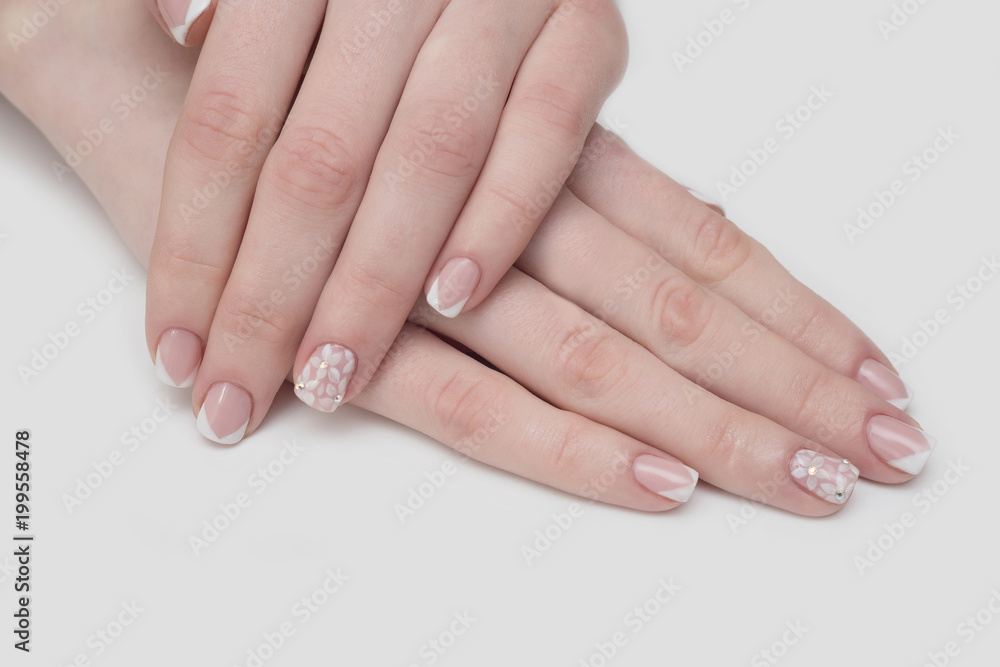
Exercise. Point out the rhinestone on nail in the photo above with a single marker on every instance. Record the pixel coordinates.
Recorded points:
(300, 385)
(839, 494)
(324, 364)
(337, 399)
(812, 470)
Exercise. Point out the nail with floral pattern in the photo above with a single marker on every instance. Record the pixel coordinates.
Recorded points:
(322, 384)
(826, 477)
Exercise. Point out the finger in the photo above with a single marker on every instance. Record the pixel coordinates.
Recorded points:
(186, 21)
(309, 190)
(424, 172)
(432, 387)
(578, 363)
(713, 251)
(567, 74)
(235, 106)
(579, 255)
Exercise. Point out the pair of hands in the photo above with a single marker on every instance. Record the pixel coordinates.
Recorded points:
(333, 159)
(640, 329)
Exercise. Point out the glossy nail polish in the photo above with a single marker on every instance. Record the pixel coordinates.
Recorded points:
(666, 477)
(826, 477)
(225, 413)
(900, 445)
(178, 356)
(322, 383)
(884, 383)
(451, 290)
(180, 14)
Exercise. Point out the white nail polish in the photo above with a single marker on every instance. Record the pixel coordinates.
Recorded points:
(181, 14)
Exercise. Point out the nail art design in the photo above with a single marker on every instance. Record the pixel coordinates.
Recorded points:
(451, 290)
(323, 381)
(225, 413)
(178, 356)
(826, 477)
(180, 14)
(884, 383)
(900, 445)
(668, 478)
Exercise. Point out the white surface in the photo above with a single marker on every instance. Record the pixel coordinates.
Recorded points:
(333, 506)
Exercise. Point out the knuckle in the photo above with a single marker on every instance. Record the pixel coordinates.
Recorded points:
(809, 393)
(223, 127)
(808, 328)
(727, 439)
(557, 107)
(257, 318)
(592, 363)
(315, 167)
(521, 210)
(463, 404)
(682, 310)
(375, 290)
(188, 261)
(720, 248)
(439, 147)
(561, 451)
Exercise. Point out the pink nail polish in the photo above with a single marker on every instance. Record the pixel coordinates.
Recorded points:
(826, 477)
(322, 384)
(180, 14)
(178, 356)
(451, 290)
(666, 477)
(900, 445)
(884, 383)
(225, 413)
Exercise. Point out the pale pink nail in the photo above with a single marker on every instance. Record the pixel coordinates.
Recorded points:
(826, 477)
(451, 290)
(900, 445)
(178, 356)
(666, 477)
(884, 383)
(322, 384)
(180, 14)
(225, 413)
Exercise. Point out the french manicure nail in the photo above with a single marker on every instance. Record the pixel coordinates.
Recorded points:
(884, 383)
(180, 14)
(178, 356)
(826, 477)
(900, 445)
(668, 478)
(451, 290)
(225, 413)
(323, 381)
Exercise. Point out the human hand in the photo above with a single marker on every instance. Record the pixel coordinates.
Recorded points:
(299, 223)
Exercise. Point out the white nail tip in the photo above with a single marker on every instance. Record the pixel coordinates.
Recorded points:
(683, 494)
(434, 300)
(206, 430)
(195, 9)
(911, 464)
(708, 199)
(164, 376)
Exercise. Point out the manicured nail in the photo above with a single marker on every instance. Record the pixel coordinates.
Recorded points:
(884, 383)
(668, 478)
(225, 413)
(708, 199)
(900, 445)
(451, 290)
(323, 381)
(178, 356)
(180, 14)
(826, 477)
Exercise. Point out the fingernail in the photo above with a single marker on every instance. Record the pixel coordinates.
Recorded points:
(178, 356)
(900, 445)
(708, 199)
(323, 381)
(826, 477)
(225, 413)
(884, 383)
(180, 14)
(665, 477)
(451, 290)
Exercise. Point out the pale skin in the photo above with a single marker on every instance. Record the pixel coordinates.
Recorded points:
(588, 377)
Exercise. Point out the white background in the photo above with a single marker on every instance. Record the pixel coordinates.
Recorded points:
(333, 507)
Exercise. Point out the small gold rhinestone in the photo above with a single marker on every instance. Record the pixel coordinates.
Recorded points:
(840, 495)
(812, 470)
